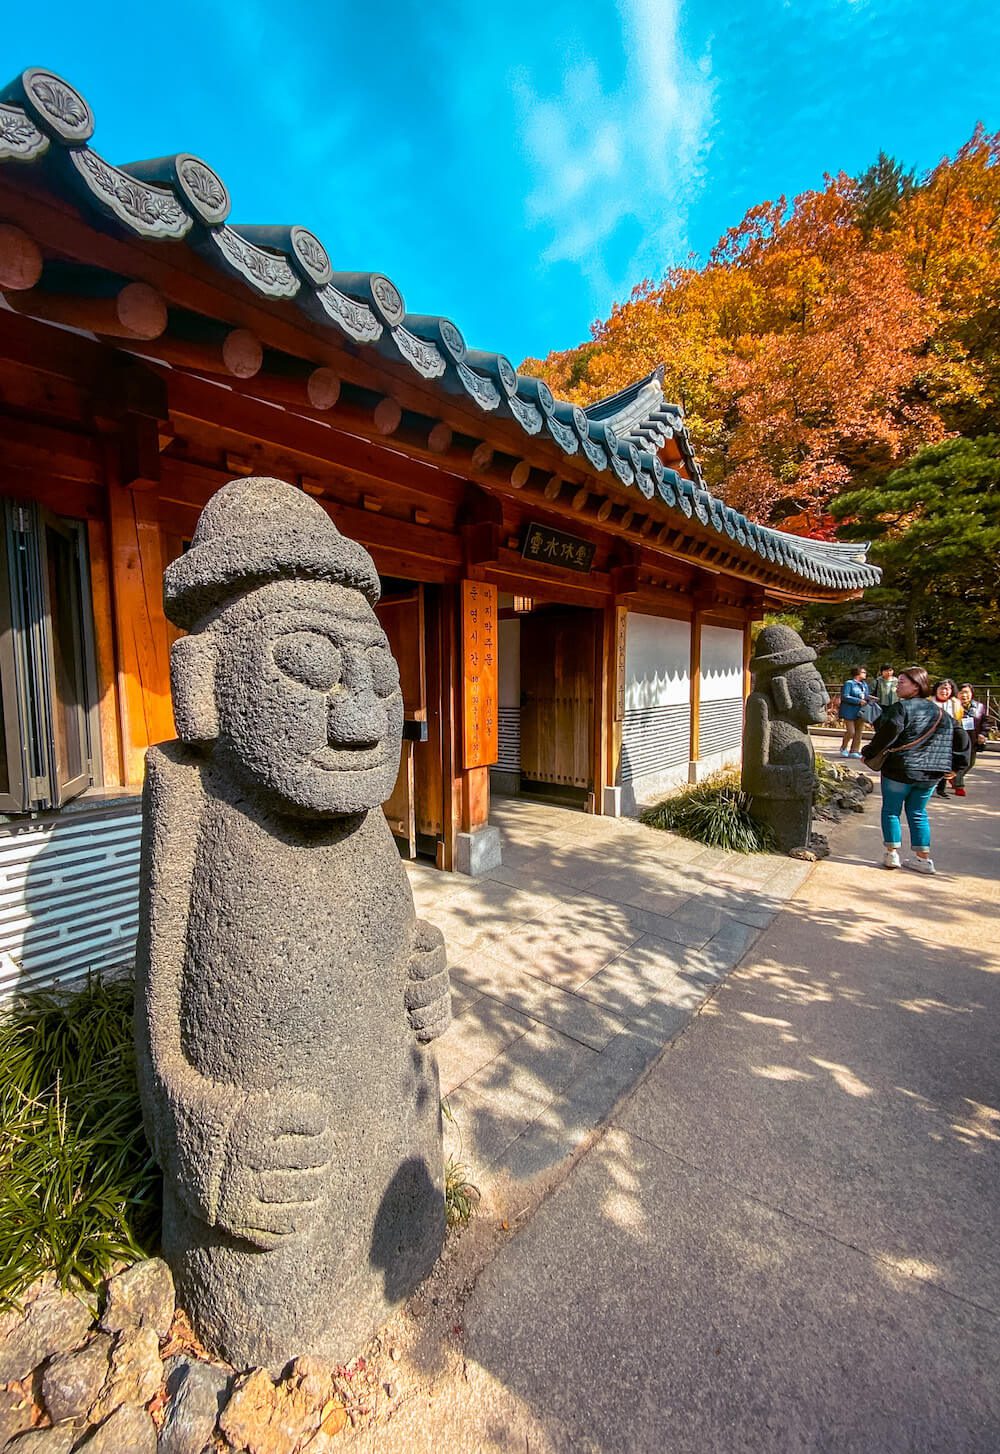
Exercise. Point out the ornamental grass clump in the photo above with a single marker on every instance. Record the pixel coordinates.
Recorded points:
(79, 1189)
(715, 812)
(830, 779)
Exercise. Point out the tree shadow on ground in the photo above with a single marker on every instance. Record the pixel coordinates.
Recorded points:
(789, 1225)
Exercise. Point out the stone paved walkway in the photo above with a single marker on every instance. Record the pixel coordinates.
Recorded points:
(572, 966)
(785, 1238)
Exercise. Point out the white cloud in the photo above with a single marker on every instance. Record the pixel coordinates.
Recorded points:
(624, 156)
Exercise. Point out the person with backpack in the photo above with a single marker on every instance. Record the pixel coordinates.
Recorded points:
(916, 744)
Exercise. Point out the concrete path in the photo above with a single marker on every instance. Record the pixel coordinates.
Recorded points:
(572, 966)
(787, 1238)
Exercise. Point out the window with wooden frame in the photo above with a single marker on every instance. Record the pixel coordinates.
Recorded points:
(46, 660)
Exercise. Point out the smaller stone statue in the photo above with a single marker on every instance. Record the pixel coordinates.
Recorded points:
(778, 757)
(287, 995)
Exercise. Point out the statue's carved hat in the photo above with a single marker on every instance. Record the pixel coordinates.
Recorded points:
(779, 648)
(257, 530)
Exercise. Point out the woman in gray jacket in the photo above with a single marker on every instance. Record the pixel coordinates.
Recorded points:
(921, 743)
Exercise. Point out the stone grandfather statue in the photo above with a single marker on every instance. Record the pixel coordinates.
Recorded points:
(287, 995)
(778, 756)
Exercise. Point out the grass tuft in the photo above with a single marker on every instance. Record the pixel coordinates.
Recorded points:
(715, 812)
(79, 1189)
(830, 779)
(460, 1194)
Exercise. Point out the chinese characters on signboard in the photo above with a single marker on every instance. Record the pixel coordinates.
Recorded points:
(552, 547)
(479, 673)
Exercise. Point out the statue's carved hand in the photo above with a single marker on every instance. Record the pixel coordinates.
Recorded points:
(803, 780)
(428, 992)
(277, 1154)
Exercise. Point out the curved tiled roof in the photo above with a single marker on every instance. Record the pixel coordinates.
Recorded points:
(43, 120)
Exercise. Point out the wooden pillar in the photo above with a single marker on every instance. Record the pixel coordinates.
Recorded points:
(475, 798)
(747, 653)
(695, 685)
(609, 707)
(143, 658)
(477, 700)
(112, 773)
(444, 684)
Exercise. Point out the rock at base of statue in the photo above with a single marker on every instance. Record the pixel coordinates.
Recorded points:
(287, 995)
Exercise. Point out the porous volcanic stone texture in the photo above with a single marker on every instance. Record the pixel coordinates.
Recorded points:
(287, 994)
(778, 754)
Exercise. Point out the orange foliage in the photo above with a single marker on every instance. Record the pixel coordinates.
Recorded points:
(807, 354)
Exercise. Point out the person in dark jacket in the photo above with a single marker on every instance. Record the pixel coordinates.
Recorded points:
(922, 743)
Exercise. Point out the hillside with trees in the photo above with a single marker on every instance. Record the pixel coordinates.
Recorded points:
(838, 361)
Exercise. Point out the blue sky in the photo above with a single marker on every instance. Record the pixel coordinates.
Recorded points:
(520, 167)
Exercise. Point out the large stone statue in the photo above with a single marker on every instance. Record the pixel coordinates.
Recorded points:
(778, 757)
(287, 994)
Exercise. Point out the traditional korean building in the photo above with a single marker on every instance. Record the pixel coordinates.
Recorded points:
(569, 604)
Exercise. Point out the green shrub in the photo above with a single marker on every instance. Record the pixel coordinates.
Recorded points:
(79, 1190)
(715, 811)
(830, 778)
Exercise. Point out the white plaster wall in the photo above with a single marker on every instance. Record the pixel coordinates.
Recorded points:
(720, 717)
(721, 663)
(509, 640)
(656, 730)
(657, 662)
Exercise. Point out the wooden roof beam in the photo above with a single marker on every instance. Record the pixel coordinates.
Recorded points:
(21, 259)
(91, 299)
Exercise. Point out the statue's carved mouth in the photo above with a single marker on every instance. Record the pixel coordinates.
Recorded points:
(349, 759)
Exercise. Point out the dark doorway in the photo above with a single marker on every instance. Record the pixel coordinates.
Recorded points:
(558, 646)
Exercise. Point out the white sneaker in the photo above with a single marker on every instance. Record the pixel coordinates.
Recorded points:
(922, 865)
(891, 859)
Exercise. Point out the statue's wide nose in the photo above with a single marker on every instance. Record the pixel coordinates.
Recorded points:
(356, 717)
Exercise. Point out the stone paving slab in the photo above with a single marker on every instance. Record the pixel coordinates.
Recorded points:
(590, 949)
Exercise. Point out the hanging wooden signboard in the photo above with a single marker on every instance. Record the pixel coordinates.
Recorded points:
(552, 547)
(480, 677)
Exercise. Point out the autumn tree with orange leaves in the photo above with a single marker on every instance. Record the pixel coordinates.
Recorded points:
(826, 341)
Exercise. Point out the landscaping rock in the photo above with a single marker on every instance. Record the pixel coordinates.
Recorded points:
(267, 1418)
(15, 1415)
(72, 1381)
(129, 1430)
(53, 1322)
(196, 1393)
(140, 1297)
(59, 1440)
(136, 1372)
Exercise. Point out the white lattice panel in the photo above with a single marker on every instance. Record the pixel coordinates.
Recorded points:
(509, 733)
(720, 727)
(655, 739)
(69, 895)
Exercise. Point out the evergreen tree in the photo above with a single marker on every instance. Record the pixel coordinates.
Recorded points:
(935, 528)
(879, 193)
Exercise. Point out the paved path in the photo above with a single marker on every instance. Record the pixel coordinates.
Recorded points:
(787, 1238)
(572, 966)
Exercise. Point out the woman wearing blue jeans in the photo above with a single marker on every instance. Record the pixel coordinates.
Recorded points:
(921, 743)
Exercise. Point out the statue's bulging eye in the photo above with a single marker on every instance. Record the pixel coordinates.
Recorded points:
(308, 658)
(385, 672)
